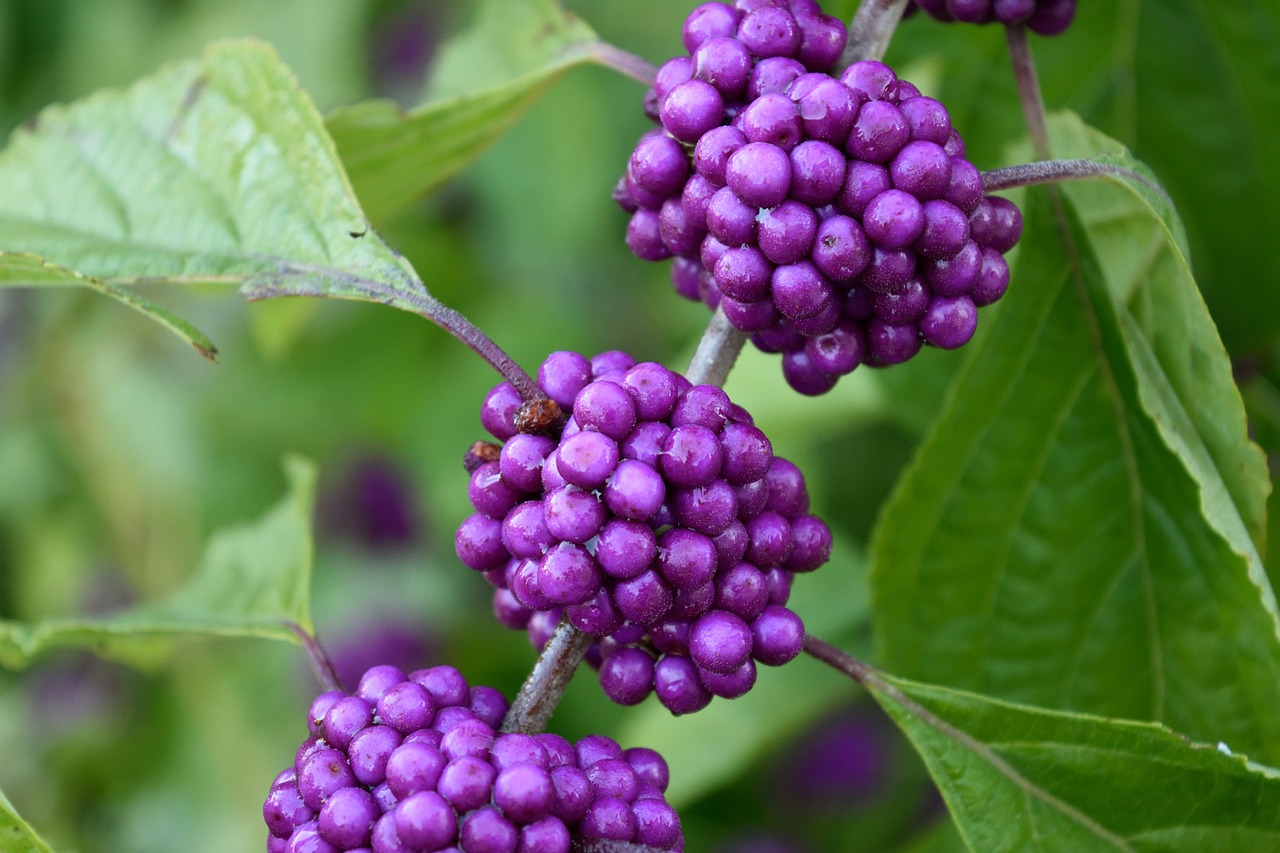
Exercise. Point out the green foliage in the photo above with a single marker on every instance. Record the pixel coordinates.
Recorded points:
(16, 835)
(26, 269)
(215, 171)
(1064, 536)
(253, 581)
(1017, 777)
(1073, 554)
(483, 81)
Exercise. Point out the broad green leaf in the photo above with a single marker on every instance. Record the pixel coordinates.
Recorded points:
(483, 81)
(253, 581)
(1147, 265)
(1019, 778)
(25, 269)
(215, 170)
(16, 835)
(1064, 537)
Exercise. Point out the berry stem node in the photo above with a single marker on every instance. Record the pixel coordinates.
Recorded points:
(605, 845)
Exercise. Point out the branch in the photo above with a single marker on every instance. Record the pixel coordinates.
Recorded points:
(320, 664)
(453, 322)
(1053, 171)
(544, 687)
(612, 56)
(871, 29)
(717, 351)
(1024, 73)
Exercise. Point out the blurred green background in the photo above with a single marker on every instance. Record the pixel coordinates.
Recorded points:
(120, 451)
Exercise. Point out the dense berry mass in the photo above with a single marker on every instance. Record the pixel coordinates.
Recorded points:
(1046, 17)
(835, 219)
(658, 520)
(414, 763)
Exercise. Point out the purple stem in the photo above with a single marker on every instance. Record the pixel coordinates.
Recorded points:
(464, 330)
(320, 665)
(612, 56)
(1054, 171)
(1024, 73)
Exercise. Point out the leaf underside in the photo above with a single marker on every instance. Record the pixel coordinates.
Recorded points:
(253, 581)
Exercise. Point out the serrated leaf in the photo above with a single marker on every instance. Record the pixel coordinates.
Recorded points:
(1066, 537)
(1022, 778)
(1147, 264)
(483, 81)
(215, 170)
(253, 581)
(16, 835)
(22, 269)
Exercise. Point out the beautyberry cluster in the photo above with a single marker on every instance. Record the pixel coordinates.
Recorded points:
(414, 763)
(658, 520)
(1046, 17)
(835, 219)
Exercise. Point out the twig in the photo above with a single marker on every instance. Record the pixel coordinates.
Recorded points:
(612, 56)
(1024, 73)
(871, 29)
(464, 330)
(320, 665)
(542, 690)
(717, 351)
(1054, 171)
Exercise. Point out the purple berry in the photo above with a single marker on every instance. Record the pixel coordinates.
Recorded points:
(691, 109)
(777, 636)
(759, 174)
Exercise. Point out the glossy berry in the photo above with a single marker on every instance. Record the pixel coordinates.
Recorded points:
(658, 518)
(834, 219)
(454, 780)
(1046, 17)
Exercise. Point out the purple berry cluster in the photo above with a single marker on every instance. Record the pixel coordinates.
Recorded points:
(658, 520)
(836, 220)
(1046, 17)
(414, 763)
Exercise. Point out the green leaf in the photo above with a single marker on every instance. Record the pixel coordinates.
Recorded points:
(1067, 536)
(253, 581)
(16, 835)
(1021, 778)
(27, 270)
(1147, 266)
(484, 80)
(217, 170)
